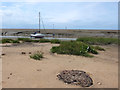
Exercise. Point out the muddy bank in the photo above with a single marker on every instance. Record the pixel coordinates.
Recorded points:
(62, 33)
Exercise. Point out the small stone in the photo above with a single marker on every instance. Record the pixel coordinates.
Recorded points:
(8, 77)
(10, 73)
(3, 54)
(39, 70)
(30, 53)
(23, 52)
(99, 83)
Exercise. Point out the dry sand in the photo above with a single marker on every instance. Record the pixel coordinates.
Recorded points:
(20, 71)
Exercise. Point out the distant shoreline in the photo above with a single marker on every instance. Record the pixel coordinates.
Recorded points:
(63, 33)
(66, 29)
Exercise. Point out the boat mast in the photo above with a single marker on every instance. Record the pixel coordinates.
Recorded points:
(39, 22)
(53, 26)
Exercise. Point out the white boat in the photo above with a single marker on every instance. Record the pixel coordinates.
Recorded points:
(38, 34)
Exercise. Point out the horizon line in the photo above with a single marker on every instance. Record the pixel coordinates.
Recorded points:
(60, 29)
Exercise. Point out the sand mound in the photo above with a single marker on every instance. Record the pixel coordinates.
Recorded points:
(75, 77)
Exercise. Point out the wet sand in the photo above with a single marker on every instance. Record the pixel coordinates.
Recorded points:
(20, 71)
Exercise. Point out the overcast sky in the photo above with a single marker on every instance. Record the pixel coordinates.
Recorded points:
(73, 15)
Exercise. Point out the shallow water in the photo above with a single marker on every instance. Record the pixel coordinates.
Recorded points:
(14, 37)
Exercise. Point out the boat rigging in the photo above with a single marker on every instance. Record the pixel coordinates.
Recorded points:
(38, 34)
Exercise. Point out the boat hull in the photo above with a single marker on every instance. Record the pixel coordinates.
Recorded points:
(37, 36)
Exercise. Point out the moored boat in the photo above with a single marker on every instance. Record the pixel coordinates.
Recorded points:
(38, 34)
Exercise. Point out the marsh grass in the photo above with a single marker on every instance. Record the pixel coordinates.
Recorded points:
(55, 41)
(25, 39)
(9, 41)
(99, 48)
(99, 40)
(6, 40)
(74, 48)
(28, 40)
(15, 41)
(37, 56)
(87, 40)
(80, 47)
(36, 41)
(44, 40)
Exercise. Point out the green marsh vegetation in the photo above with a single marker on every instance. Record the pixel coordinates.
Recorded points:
(9, 41)
(37, 56)
(55, 41)
(24, 39)
(44, 40)
(99, 48)
(87, 40)
(99, 40)
(75, 48)
(81, 47)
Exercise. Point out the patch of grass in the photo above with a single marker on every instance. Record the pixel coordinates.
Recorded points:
(7, 40)
(35, 41)
(98, 40)
(99, 48)
(55, 41)
(74, 48)
(37, 56)
(30, 40)
(15, 41)
(25, 39)
(44, 40)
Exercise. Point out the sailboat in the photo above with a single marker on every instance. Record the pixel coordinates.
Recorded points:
(38, 34)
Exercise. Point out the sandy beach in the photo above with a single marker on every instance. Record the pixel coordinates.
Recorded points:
(20, 71)
(59, 44)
